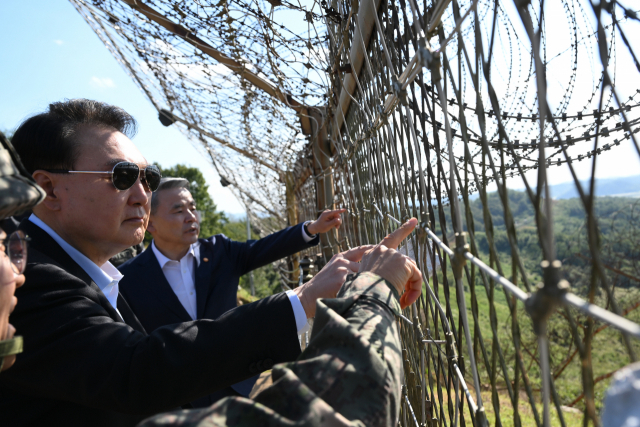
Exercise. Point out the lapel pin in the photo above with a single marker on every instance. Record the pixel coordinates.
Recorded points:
(205, 259)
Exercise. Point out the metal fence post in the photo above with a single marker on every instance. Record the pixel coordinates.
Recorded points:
(322, 151)
(292, 219)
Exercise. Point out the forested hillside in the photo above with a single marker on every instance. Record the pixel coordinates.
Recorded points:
(618, 220)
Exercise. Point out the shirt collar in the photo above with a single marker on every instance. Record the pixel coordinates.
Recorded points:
(163, 260)
(103, 276)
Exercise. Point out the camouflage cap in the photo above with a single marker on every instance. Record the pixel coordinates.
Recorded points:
(18, 191)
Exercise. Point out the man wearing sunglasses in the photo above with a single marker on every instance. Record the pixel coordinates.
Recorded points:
(89, 361)
(182, 278)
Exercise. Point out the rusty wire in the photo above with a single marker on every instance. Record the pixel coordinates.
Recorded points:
(425, 132)
(424, 109)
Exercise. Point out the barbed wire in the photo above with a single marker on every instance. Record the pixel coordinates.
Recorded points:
(399, 116)
(400, 108)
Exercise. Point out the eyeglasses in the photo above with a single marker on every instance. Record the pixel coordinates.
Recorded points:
(15, 246)
(125, 174)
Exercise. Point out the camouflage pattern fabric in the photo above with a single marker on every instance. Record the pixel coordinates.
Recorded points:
(9, 348)
(350, 375)
(126, 255)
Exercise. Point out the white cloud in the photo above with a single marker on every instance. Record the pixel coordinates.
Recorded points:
(102, 82)
(58, 42)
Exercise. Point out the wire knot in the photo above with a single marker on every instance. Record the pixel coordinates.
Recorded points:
(383, 116)
(459, 260)
(429, 59)
(546, 299)
(399, 91)
(451, 346)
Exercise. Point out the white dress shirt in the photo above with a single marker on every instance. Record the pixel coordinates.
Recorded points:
(181, 276)
(106, 277)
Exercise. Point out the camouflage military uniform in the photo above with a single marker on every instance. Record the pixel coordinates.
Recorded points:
(352, 370)
(126, 255)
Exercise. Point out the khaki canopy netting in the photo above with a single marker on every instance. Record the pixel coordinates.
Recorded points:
(231, 74)
(434, 109)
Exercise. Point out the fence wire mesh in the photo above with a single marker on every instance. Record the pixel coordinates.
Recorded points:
(434, 109)
(440, 127)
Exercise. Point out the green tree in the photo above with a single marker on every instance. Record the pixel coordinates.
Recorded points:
(213, 221)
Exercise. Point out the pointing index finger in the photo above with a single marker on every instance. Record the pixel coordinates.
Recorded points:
(393, 240)
(356, 254)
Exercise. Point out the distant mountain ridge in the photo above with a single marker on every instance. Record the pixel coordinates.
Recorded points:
(628, 186)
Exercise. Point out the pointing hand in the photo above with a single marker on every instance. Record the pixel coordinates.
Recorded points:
(328, 220)
(328, 281)
(399, 270)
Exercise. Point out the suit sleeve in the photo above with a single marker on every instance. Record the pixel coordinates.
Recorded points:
(75, 352)
(253, 254)
(352, 367)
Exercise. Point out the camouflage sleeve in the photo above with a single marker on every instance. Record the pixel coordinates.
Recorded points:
(349, 375)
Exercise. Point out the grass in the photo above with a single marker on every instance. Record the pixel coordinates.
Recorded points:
(571, 417)
(608, 353)
(527, 418)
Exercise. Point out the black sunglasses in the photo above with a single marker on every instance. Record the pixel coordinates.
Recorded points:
(125, 174)
(15, 246)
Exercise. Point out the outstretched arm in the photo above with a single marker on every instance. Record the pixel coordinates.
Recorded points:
(351, 373)
(253, 254)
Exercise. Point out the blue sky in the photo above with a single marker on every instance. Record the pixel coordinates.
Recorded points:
(49, 53)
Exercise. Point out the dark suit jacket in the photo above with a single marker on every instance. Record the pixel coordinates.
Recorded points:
(84, 366)
(148, 293)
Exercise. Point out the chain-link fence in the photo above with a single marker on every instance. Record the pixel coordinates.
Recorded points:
(436, 109)
(423, 124)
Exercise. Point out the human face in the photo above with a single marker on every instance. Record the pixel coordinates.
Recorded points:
(174, 225)
(86, 210)
(9, 281)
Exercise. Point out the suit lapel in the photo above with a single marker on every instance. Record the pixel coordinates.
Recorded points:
(158, 286)
(128, 315)
(203, 278)
(45, 244)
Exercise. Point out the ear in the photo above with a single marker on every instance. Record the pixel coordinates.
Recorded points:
(150, 227)
(50, 183)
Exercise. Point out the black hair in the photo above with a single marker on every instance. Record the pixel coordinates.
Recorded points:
(48, 140)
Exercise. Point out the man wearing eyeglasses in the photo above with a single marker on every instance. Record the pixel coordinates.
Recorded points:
(18, 193)
(181, 278)
(89, 361)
